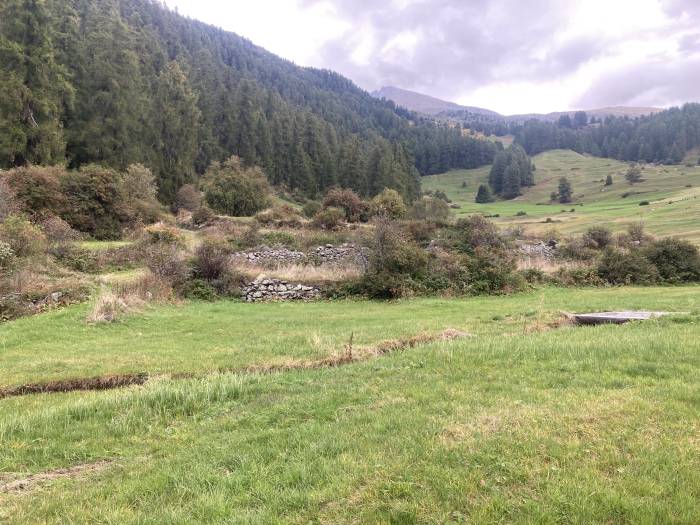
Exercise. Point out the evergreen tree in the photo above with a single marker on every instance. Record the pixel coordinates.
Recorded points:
(511, 182)
(565, 191)
(483, 195)
(176, 120)
(34, 87)
(609, 180)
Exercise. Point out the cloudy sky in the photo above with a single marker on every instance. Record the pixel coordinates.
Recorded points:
(512, 56)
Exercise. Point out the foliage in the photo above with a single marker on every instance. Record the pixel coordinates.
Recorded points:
(387, 204)
(8, 199)
(95, 202)
(677, 261)
(329, 218)
(483, 195)
(618, 267)
(429, 209)
(311, 208)
(280, 216)
(188, 198)
(232, 188)
(24, 238)
(7, 254)
(565, 193)
(38, 189)
(609, 180)
(511, 170)
(598, 237)
(354, 208)
(634, 175)
(202, 215)
(476, 232)
(139, 191)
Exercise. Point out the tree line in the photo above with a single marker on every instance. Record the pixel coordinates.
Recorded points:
(118, 82)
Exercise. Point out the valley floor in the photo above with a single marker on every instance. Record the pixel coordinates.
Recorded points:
(528, 420)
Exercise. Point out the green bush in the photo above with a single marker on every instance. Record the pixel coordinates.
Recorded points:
(202, 216)
(280, 216)
(24, 238)
(677, 261)
(430, 209)
(311, 208)
(280, 238)
(234, 189)
(618, 267)
(476, 232)
(95, 202)
(329, 218)
(388, 204)
(598, 237)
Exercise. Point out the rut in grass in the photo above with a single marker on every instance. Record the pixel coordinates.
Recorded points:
(347, 356)
(28, 482)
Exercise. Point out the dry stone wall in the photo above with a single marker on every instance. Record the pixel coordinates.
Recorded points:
(277, 290)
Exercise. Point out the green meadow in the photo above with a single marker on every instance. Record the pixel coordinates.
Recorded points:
(529, 420)
(673, 193)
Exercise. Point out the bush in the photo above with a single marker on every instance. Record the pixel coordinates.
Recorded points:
(598, 237)
(58, 231)
(139, 191)
(167, 262)
(430, 209)
(329, 218)
(676, 261)
(164, 234)
(202, 216)
(188, 198)
(644, 203)
(95, 202)
(8, 200)
(7, 255)
(212, 265)
(618, 267)
(38, 189)
(24, 238)
(577, 250)
(354, 208)
(280, 216)
(476, 232)
(311, 208)
(233, 189)
(388, 204)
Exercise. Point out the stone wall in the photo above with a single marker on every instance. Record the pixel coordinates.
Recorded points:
(327, 254)
(263, 289)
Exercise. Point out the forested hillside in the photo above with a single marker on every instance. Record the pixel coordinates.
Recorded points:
(123, 81)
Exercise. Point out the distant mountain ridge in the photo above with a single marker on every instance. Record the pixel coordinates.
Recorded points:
(425, 103)
(435, 107)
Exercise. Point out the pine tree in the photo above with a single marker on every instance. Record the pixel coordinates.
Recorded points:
(565, 191)
(483, 195)
(33, 86)
(498, 170)
(511, 181)
(177, 120)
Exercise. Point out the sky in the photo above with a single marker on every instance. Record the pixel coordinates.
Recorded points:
(510, 56)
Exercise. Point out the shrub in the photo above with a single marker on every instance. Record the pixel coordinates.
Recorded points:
(388, 204)
(188, 198)
(279, 239)
(311, 208)
(633, 175)
(476, 232)
(199, 290)
(24, 238)
(212, 266)
(618, 267)
(202, 216)
(565, 191)
(164, 234)
(38, 189)
(8, 200)
(58, 231)
(234, 189)
(677, 261)
(577, 250)
(280, 216)
(644, 203)
(329, 218)
(7, 255)
(95, 202)
(354, 208)
(609, 180)
(211, 260)
(167, 262)
(430, 209)
(598, 237)
(521, 214)
(139, 191)
(493, 272)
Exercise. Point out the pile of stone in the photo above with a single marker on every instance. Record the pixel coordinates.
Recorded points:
(264, 289)
(265, 254)
(543, 249)
(340, 254)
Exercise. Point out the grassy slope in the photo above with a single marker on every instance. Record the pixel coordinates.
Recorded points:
(601, 205)
(575, 425)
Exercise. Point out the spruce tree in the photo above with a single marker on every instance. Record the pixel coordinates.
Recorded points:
(483, 195)
(511, 181)
(565, 191)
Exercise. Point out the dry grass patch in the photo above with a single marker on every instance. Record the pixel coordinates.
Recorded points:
(302, 272)
(124, 298)
(29, 482)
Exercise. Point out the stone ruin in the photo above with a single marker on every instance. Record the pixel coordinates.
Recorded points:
(263, 289)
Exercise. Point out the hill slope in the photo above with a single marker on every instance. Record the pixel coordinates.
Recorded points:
(124, 81)
(425, 103)
(673, 193)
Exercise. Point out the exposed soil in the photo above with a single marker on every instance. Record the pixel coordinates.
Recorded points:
(70, 385)
(28, 482)
(349, 355)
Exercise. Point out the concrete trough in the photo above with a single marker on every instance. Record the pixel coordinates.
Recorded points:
(618, 317)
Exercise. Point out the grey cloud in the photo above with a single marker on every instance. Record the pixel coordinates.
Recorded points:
(657, 83)
(463, 44)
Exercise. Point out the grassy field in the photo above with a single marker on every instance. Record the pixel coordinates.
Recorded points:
(521, 423)
(674, 208)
